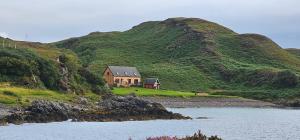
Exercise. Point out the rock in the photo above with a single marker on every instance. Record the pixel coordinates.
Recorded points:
(3, 111)
(42, 111)
(202, 118)
(45, 111)
(131, 107)
(289, 103)
(110, 108)
(83, 101)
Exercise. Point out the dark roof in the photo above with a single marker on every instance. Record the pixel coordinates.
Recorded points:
(150, 80)
(124, 71)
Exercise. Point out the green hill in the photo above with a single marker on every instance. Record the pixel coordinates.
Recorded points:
(192, 54)
(187, 54)
(36, 65)
(294, 51)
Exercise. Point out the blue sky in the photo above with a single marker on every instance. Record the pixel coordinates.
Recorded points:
(48, 21)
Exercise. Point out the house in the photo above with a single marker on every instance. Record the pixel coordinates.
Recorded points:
(121, 76)
(151, 83)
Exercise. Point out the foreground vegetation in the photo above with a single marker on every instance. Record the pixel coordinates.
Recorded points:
(196, 136)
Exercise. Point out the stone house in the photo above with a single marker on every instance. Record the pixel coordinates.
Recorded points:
(122, 76)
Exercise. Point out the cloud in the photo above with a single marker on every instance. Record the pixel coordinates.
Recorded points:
(3, 34)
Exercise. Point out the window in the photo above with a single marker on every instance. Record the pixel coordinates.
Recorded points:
(107, 73)
(136, 81)
(129, 81)
(117, 81)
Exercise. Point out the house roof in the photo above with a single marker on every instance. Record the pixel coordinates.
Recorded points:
(123, 71)
(150, 80)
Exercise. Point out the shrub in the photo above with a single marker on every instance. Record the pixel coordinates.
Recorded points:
(196, 136)
(19, 66)
(9, 93)
(90, 77)
(285, 79)
(48, 73)
(96, 82)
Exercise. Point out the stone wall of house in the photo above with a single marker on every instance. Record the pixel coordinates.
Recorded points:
(108, 77)
(124, 81)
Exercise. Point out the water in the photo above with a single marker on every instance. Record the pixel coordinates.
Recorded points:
(228, 123)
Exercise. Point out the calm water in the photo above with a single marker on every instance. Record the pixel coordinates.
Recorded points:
(229, 123)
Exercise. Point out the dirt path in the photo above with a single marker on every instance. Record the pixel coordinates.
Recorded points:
(176, 102)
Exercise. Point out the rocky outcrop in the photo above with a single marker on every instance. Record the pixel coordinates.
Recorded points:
(110, 108)
(4, 111)
(131, 108)
(42, 111)
(289, 103)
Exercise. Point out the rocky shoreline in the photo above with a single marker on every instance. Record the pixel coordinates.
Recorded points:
(116, 108)
(109, 108)
(178, 102)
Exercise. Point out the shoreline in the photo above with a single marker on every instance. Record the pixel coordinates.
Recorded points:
(109, 108)
(196, 102)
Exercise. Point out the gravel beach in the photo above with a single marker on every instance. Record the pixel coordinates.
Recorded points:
(177, 102)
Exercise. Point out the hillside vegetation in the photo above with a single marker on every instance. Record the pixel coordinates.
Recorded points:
(193, 55)
(36, 65)
(186, 54)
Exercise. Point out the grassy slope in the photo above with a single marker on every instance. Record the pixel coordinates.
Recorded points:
(148, 48)
(46, 51)
(41, 60)
(187, 54)
(295, 52)
(23, 96)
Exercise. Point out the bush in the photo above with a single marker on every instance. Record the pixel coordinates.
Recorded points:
(9, 93)
(90, 77)
(48, 73)
(285, 79)
(100, 89)
(96, 82)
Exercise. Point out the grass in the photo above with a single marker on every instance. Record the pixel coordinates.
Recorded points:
(166, 93)
(151, 92)
(23, 96)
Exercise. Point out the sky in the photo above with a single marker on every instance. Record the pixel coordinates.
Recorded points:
(54, 20)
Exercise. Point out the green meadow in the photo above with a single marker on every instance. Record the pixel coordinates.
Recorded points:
(23, 96)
